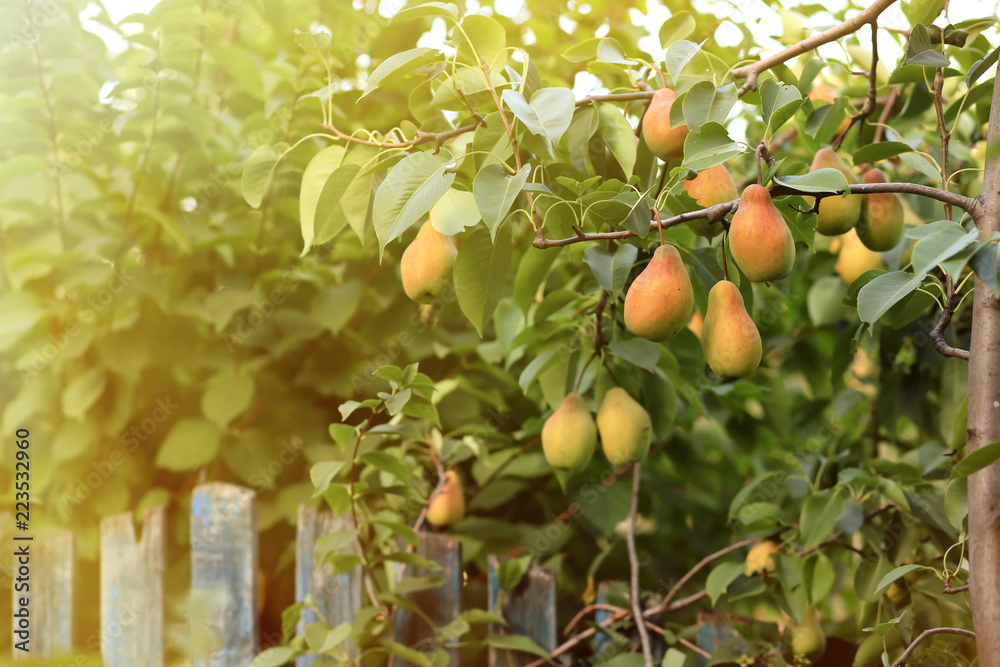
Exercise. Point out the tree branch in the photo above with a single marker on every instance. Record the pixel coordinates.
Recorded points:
(943, 131)
(851, 25)
(419, 138)
(937, 333)
(924, 635)
(633, 560)
(665, 604)
(869, 106)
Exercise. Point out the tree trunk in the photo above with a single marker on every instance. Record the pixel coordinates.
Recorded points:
(984, 419)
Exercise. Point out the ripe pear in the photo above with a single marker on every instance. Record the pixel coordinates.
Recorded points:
(625, 428)
(759, 557)
(759, 239)
(854, 258)
(660, 300)
(881, 224)
(569, 436)
(448, 506)
(807, 637)
(665, 142)
(836, 214)
(729, 338)
(696, 324)
(427, 263)
(710, 187)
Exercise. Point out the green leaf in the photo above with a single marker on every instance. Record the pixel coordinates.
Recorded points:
(329, 217)
(445, 10)
(819, 575)
(880, 151)
(778, 103)
(611, 270)
(313, 180)
(82, 392)
(895, 574)
(678, 26)
(388, 463)
(495, 192)
(191, 443)
(879, 295)
(720, 577)
(956, 501)
(275, 656)
(516, 643)
(922, 11)
(824, 300)
(334, 542)
(536, 366)
(921, 163)
(455, 211)
(819, 516)
(884, 628)
(410, 655)
(708, 146)
(335, 637)
(408, 192)
(976, 461)
(981, 66)
(678, 55)
(639, 351)
(920, 52)
(618, 135)
(705, 103)
(481, 273)
(821, 180)
(548, 114)
(933, 249)
(411, 60)
(482, 37)
(511, 571)
(226, 395)
(256, 173)
(673, 658)
(314, 43)
(323, 472)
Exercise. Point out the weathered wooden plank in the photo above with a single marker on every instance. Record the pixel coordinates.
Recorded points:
(601, 640)
(530, 609)
(715, 629)
(337, 596)
(132, 590)
(442, 604)
(224, 623)
(50, 601)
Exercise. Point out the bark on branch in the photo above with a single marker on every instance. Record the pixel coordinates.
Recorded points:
(924, 635)
(937, 333)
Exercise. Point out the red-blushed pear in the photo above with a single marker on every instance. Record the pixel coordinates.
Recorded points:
(881, 224)
(710, 187)
(448, 506)
(660, 300)
(625, 428)
(761, 244)
(663, 141)
(853, 258)
(569, 436)
(729, 339)
(837, 213)
(427, 263)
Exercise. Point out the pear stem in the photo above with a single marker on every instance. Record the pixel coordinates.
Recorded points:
(659, 225)
(725, 259)
(760, 172)
(647, 652)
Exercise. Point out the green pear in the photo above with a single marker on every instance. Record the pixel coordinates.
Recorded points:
(729, 338)
(663, 141)
(625, 428)
(881, 224)
(853, 258)
(807, 637)
(836, 214)
(448, 506)
(710, 187)
(660, 300)
(569, 436)
(427, 263)
(761, 244)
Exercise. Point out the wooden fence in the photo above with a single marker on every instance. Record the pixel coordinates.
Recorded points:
(224, 621)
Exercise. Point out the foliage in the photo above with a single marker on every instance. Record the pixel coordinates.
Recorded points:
(200, 282)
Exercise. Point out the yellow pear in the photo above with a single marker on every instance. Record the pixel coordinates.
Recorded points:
(710, 187)
(729, 338)
(881, 224)
(625, 428)
(660, 300)
(807, 637)
(696, 323)
(836, 214)
(448, 506)
(569, 436)
(663, 141)
(854, 258)
(427, 263)
(759, 557)
(761, 244)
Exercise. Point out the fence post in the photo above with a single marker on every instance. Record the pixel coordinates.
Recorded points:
(132, 590)
(337, 596)
(224, 624)
(50, 625)
(530, 609)
(441, 604)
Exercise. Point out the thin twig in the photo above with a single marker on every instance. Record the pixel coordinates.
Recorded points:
(633, 559)
(597, 606)
(419, 138)
(937, 333)
(943, 131)
(697, 649)
(884, 116)
(869, 105)
(924, 635)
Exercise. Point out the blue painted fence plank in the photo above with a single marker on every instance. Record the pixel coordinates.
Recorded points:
(224, 625)
(132, 590)
(530, 609)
